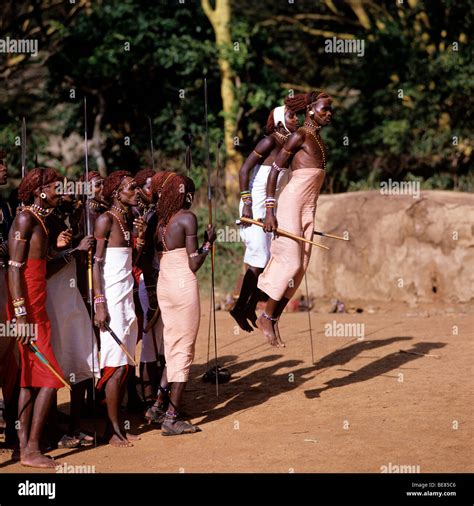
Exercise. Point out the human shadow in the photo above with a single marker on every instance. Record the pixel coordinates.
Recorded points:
(377, 368)
(345, 355)
(253, 389)
(263, 384)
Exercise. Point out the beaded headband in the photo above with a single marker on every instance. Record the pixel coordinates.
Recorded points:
(166, 180)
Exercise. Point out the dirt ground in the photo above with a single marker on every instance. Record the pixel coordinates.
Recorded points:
(363, 405)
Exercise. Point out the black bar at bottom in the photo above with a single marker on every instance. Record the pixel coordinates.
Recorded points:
(236, 489)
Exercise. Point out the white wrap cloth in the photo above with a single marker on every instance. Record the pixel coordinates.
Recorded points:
(257, 242)
(72, 336)
(118, 291)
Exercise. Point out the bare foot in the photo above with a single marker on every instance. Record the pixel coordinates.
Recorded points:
(37, 459)
(239, 316)
(266, 326)
(132, 437)
(280, 343)
(119, 441)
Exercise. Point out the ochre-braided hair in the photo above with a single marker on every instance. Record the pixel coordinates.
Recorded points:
(92, 175)
(270, 126)
(36, 178)
(299, 102)
(112, 182)
(157, 182)
(142, 175)
(173, 190)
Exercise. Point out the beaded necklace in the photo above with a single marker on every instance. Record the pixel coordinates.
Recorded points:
(119, 210)
(310, 128)
(94, 205)
(120, 225)
(281, 138)
(38, 217)
(163, 233)
(40, 211)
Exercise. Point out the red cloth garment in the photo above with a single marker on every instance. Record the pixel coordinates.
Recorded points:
(33, 372)
(107, 373)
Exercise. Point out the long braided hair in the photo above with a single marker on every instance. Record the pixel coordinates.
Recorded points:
(172, 189)
(270, 126)
(299, 102)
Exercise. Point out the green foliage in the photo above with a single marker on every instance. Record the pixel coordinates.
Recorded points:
(229, 249)
(402, 110)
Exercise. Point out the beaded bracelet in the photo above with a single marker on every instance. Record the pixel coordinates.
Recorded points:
(277, 167)
(20, 311)
(206, 247)
(270, 202)
(99, 298)
(247, 199)
(18, 265)
(18, 302)
(257, 153)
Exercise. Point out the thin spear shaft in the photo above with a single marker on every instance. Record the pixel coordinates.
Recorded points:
(209, 200)
(23, 148)
(309, 318)
(151, 143)
(46, 362)
(88, 230)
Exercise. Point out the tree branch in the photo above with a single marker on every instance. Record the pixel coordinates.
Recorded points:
(300, 26)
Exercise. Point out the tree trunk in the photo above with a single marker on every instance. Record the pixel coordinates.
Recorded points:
(219, 18)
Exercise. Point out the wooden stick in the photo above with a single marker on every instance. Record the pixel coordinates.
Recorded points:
(153, 320)
(117, 340)
(323, 234)
(284, 233)
(45, 361)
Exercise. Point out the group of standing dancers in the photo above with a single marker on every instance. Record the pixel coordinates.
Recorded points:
(145, 253)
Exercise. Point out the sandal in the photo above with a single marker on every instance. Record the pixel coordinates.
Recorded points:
(156, 414)
(69, 442)
(223, 375)
(84, 438)
(173, 427)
